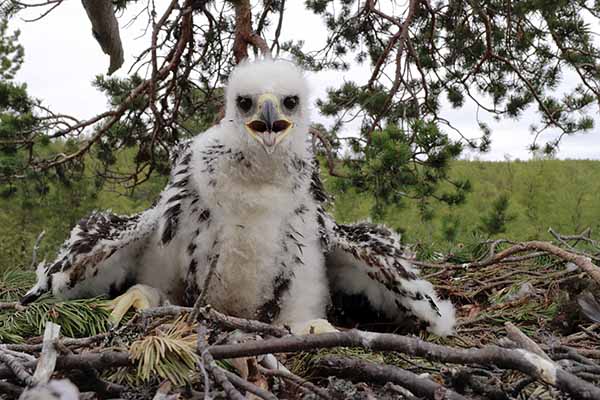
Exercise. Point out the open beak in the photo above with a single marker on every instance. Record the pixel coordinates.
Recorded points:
(269, 125)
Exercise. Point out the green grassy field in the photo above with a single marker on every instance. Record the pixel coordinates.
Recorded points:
(542, 194)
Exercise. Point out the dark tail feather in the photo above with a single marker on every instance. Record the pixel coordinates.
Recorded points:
(31, 296)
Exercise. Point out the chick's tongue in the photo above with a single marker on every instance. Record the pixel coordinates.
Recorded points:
(269, 138)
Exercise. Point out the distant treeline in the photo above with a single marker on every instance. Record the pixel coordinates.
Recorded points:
(56, 204)
(517, 200)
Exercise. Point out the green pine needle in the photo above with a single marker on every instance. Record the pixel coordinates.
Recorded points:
(170, 354)
(77, 318)
(14, 283)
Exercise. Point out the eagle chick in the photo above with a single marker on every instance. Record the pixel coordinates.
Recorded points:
(243, 218)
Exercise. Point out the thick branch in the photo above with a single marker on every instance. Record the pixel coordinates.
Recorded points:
(16, 368)
(364, 371)
(520, 360)
(328, 153)
(244, 34)
(524, 342)
(105, 28)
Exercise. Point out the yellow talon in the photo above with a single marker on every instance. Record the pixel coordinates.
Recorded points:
(138, 297)
(313, 326)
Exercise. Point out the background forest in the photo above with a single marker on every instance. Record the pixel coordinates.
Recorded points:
(518, 200)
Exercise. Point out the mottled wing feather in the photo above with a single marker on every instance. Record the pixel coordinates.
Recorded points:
(367, 259)
(101, 253)
(94, 240)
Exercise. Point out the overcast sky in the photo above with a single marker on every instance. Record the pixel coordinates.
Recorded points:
(62, 58)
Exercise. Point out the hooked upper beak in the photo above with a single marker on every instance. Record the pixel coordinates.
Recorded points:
(269, 125)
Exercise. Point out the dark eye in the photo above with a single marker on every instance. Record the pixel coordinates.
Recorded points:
(290, 102)
(244, 103)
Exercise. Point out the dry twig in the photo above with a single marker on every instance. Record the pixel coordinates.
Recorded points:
(581, 261)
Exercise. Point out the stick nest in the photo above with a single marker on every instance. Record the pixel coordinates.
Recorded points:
(529, 328)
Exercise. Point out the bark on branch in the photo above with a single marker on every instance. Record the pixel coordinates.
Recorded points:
(527, 362)
(583, 262)
(369, 372)
(141, 90)
(520, 360)
(244, 33)
(105, 29)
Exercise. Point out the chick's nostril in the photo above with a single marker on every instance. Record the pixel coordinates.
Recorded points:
(258, 126)
(280, 125)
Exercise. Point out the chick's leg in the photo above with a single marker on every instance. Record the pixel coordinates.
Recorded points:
(138, 297)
